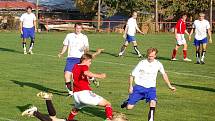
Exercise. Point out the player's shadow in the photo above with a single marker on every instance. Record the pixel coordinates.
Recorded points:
(9, 50)
(94, 111)
(107, 53)
(196, 87)
(23, 107)
(163, 58)
(40, 87)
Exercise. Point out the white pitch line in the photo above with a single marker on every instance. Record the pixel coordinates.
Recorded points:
(6, 119)
(121, 64)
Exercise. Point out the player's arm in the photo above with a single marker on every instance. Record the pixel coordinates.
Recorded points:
(35, 25)
(166, 79)
(98, 51)
(63, 50)
(209, 34)
(190, 35)
(90, 74)
(21, 24)
(130, 84)
(138, 29)
(125, 31)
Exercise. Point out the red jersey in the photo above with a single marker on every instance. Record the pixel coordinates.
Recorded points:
(180, 26)
(80, 81)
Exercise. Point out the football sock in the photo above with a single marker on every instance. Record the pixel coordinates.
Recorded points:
(174, 53)
(72, 115)
(198, 55)
(108, 111)
(68, 86)
(185, 53)
(24, 45)
(50, 108)
(203, 55)
(136, 50)
(151, 114)
(41, 116)
(123, 48)
(31, 45)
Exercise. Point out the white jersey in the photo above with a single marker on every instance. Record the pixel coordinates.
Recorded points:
(76, 44)
(145, 73)
(201, 28)
(132, 25)
(28, 20)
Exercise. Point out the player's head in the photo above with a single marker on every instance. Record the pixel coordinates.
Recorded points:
(119, 117)
(78, 28)
(86, 59)
(151, 54)
(184, 16)
(201, 16)
(134, 14)
(29, 9)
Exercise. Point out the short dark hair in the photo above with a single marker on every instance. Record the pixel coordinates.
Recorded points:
(86, 57)
(78, 24)
(29, 7)
(150, 50)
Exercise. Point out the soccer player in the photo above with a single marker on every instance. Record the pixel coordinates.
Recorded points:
(202, 27)
(129, 35)
(77, 44)
(144, 75)
(28, 28)
(82, 93)
(180, 30)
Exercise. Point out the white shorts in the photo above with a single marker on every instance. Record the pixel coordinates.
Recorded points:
(180, 39)
(86, 97)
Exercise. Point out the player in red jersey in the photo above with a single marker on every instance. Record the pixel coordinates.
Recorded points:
(180, 30)
(83, 95)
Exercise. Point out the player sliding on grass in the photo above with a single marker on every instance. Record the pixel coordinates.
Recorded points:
(180, 29)
(77, 44)
(144, 75)
(129, 35)
(202, 27)
(33, 111)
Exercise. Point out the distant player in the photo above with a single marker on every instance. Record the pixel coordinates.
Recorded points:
(77, 44)
(28, 28)
(83, 95)
(202, 27)
(129, 34)
(180, 30)
(144, 75)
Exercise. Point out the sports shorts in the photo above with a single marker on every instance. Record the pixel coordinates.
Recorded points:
(86, 97)
(130, 38)
(141, 93)
(199, 42)
(28, 33)
(70, 62)
(180, 39)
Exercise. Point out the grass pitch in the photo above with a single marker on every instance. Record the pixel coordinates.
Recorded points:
(22, 76)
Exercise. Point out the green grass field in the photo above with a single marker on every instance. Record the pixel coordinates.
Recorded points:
(22, 76)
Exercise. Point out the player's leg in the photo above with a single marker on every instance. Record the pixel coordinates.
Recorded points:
(151, 113)
(108, 108)
(197, 45)
(32, 36)
(185, 53)
(204, 47)
(136, 48)
(72, 114)
(24, 36)
(123, 48)
(174, 52)
(24, 45)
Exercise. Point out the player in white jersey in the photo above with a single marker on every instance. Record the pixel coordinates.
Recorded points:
(202, 28)
(144, 75)
(129, 35)
(28, 28)
(77, 44)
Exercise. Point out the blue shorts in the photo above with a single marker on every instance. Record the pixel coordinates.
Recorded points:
(70, 62)
(199, 42)
(141, 93)
(28, 32)
(130, 38)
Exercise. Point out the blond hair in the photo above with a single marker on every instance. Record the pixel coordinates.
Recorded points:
(150, 50)
(119, 117)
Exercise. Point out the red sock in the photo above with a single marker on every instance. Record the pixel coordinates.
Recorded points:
(174, 53)
(185, 53)
(108, 111)
(72, 115)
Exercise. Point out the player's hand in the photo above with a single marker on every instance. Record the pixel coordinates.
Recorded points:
(189, 38)
(21, 32)
(173, 88)
(130, 90)
(99, 50)
(142, 33)
(176, 37)
(60, 55)
(124, 36)
(210, 40)
(102, 76)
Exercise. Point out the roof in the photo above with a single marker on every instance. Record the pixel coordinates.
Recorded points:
(17, 5)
